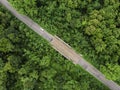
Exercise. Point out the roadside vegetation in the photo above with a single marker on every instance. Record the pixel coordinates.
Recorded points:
(91, 27)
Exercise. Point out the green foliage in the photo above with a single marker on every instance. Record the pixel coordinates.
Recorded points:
(111, 71)
(3, 80)
(1, 63)
(27, 62)
(5, 45)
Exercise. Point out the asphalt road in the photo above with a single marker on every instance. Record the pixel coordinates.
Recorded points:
(30, 23)
(70, 54)
(62, 48)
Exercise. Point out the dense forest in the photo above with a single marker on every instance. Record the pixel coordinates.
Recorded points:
(91, 27)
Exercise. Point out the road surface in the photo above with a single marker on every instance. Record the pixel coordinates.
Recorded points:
(27, 21)
(70, 54)
(62, 48)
